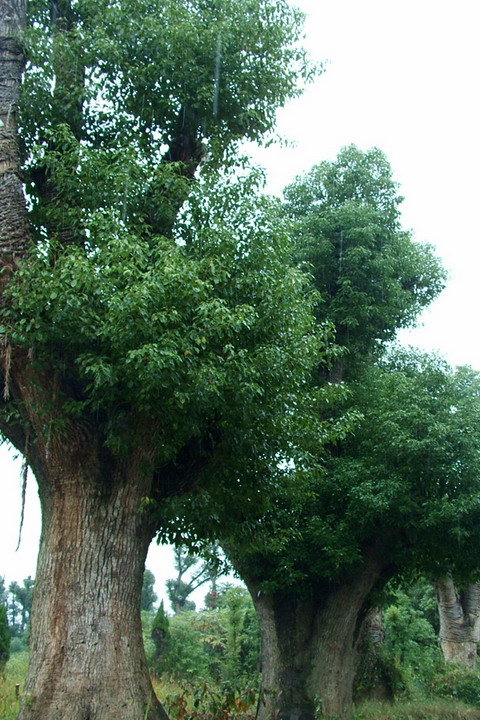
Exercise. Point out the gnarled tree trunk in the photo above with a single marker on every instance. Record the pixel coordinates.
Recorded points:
(310, 645)
(87, 658)
(459, 622)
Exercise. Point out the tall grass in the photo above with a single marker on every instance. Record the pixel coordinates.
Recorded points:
(435, 709)
(207, 702)
(15, 673)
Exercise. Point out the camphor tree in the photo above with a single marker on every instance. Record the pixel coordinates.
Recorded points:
(399, 495)
(329, 537)
(153, 330)
(327, 550)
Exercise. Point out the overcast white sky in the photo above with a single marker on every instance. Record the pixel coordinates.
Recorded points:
(403, 77)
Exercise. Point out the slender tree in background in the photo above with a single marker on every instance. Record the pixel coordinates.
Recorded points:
(144, 339)
(159, 633)
(4, 638)
(192, 572)
(19, 606)
(149, 596)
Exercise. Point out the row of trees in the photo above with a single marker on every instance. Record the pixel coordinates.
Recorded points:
(182, 355)
(17, 601)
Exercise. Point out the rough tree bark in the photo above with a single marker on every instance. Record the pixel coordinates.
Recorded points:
(87, 657)
(310, 645)
(459, 622)
(372, 680)
(14, 234)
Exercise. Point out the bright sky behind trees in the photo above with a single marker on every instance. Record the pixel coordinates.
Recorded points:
(400, 76)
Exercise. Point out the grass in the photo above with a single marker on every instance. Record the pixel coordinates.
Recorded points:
(15, 673)
(182, 705)
(435, 709)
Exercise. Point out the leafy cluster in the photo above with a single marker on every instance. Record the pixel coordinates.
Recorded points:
(211, 324)
(220, 645)
(372, 277)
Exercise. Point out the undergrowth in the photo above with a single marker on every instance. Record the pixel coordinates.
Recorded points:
(15, 672)
(436, 709)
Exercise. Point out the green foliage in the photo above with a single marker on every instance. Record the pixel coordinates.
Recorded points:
(154, 289)
(121, 100)
(183, 334)
(415, 459)
(4, 638)
(149, 596)
(206, 701)
(19, 605)
(457, 682)
(14, 675)
(372, 277)
(159, 632)
(419, 710)
(410, 646)
(127, 48)
(219, 645)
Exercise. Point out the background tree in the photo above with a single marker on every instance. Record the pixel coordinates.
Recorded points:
(136, 344)
(192, 572)
(311, 560)
(4, 637)
(214, 646)
(19, 606)
(159, 634)
(459, 612)
(149, 596)
(398, 495)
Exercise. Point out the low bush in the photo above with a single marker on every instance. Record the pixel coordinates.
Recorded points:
(458, 683)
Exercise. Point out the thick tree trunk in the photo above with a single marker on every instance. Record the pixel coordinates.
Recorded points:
(310, 646)
(372, 680)
(86, 652)
(459, 622)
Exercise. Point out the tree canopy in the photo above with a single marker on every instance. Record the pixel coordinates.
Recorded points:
(372, 277)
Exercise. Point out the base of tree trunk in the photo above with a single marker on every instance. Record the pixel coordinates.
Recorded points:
(87, 660)
(310, 646)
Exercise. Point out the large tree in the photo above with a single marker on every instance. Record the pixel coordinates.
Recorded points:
(312, 559)
(144, 339)
(399, 495)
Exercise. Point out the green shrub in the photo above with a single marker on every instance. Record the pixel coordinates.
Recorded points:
(458, 683)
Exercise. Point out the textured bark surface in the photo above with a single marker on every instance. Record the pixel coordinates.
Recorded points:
(14, 233)
(286, 625)
(86, 652)
(310, 646)
(459, 622)
(372, 680)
